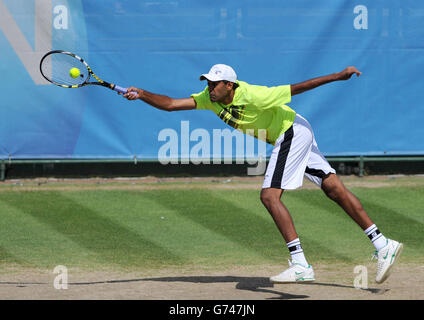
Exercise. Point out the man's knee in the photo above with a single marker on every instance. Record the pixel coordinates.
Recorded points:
(270, 195)
(336, 193)
(333, 187)
(265, 197)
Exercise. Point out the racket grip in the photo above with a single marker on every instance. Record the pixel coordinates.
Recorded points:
(120, 89)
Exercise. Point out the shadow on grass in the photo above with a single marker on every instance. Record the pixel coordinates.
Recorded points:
(254, 284)
(335, 285)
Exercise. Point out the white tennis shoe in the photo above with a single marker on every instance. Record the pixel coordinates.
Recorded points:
(386, 257)
(295, 273)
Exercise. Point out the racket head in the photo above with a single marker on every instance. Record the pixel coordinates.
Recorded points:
(55, 67)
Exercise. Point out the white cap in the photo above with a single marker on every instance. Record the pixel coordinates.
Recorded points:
(220, 72)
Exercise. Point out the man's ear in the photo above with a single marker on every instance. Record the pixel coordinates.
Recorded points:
(230, 85)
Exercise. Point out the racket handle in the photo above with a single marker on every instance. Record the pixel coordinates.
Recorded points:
(120, 89)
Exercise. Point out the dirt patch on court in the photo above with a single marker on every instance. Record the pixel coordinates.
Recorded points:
(237, 283)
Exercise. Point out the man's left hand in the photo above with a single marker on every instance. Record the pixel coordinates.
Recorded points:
(348, 72)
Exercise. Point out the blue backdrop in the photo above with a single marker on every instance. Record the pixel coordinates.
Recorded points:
(163, 47)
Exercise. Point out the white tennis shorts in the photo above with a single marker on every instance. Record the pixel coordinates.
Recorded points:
(295, 156)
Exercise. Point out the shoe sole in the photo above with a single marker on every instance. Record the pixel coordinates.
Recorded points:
(389, 269)
(302, 280)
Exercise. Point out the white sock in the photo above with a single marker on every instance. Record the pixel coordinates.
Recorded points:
(378, 240)
(296, 252)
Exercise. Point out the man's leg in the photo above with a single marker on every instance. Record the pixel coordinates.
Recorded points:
(299, 269)
(336, 191)
(387, 250)
(321, 173)
(285, 171)
(270, 197)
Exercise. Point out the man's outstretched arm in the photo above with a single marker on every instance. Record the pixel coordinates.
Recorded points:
(316, 82)
(160, 101)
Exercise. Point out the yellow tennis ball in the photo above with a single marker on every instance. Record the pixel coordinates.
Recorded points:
(74, 73)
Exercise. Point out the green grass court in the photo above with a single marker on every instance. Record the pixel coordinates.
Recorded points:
(129, 229)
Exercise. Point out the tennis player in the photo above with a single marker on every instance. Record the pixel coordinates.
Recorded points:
(295, 155)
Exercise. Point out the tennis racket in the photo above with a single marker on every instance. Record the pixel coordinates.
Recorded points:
(55, 67)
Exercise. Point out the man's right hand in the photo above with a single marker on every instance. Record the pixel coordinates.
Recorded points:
(133, 93)
(159, 101)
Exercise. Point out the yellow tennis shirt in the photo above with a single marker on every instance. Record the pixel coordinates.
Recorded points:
(253, 108)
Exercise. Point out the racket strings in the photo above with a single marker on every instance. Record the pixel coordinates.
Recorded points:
(56, 67)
